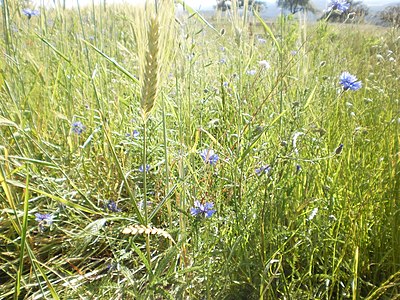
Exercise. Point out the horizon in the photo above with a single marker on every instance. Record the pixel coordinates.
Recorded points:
(196, 4)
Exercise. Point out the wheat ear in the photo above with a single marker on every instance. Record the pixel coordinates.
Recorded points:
(151, 68)
(141, 229)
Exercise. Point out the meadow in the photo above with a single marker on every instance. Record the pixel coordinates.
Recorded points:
(158, 155)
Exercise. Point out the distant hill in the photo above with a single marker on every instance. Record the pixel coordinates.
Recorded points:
(378, 8)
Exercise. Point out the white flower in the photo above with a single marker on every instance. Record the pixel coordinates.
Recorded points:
(294, 141)
(313, 214)
(264, 64)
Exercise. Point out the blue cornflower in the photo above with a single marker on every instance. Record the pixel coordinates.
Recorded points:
(339, 5)
(112, 206)
(263, 169)
(209, 156)
(135, 134)
(202, 210)
(251, 72)
(141, 168)
(78, 127)
(30, 12)
(44, 218)
(349, 82)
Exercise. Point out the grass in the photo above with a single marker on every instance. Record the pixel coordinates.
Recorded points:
(320, 223)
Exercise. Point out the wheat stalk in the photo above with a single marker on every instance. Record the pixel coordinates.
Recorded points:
(151, 68)
(154, 31)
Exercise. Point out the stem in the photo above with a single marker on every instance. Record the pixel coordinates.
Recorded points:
(145, 171)
(167, 187)
(6, 27)
(145, 186)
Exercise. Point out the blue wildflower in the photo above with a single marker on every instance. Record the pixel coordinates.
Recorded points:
(112, 206)
(141, 168)
(349, 82)
(338, 5)
(209, 156)
(251, 72)
(135, 134)
(262, 41)
(298, 168)
(202, 210)
(44, 218)
(30, 12)
(78, 127)
(263, 169)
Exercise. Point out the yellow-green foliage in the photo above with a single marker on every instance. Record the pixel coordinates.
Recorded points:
(106, 192)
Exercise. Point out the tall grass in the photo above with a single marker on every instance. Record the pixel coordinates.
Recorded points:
(315, 221)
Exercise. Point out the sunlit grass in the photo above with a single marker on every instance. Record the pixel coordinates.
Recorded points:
(305, 184)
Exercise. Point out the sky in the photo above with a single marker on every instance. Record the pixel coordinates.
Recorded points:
(194, 3)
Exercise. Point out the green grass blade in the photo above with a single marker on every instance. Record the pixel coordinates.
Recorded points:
(114, 62)
(37, 266)
(6, 122)
(268, 30)
(126, 183)
(23, 239)
(195, 13)
(54, 48)
(258, 137)
(54, 197)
